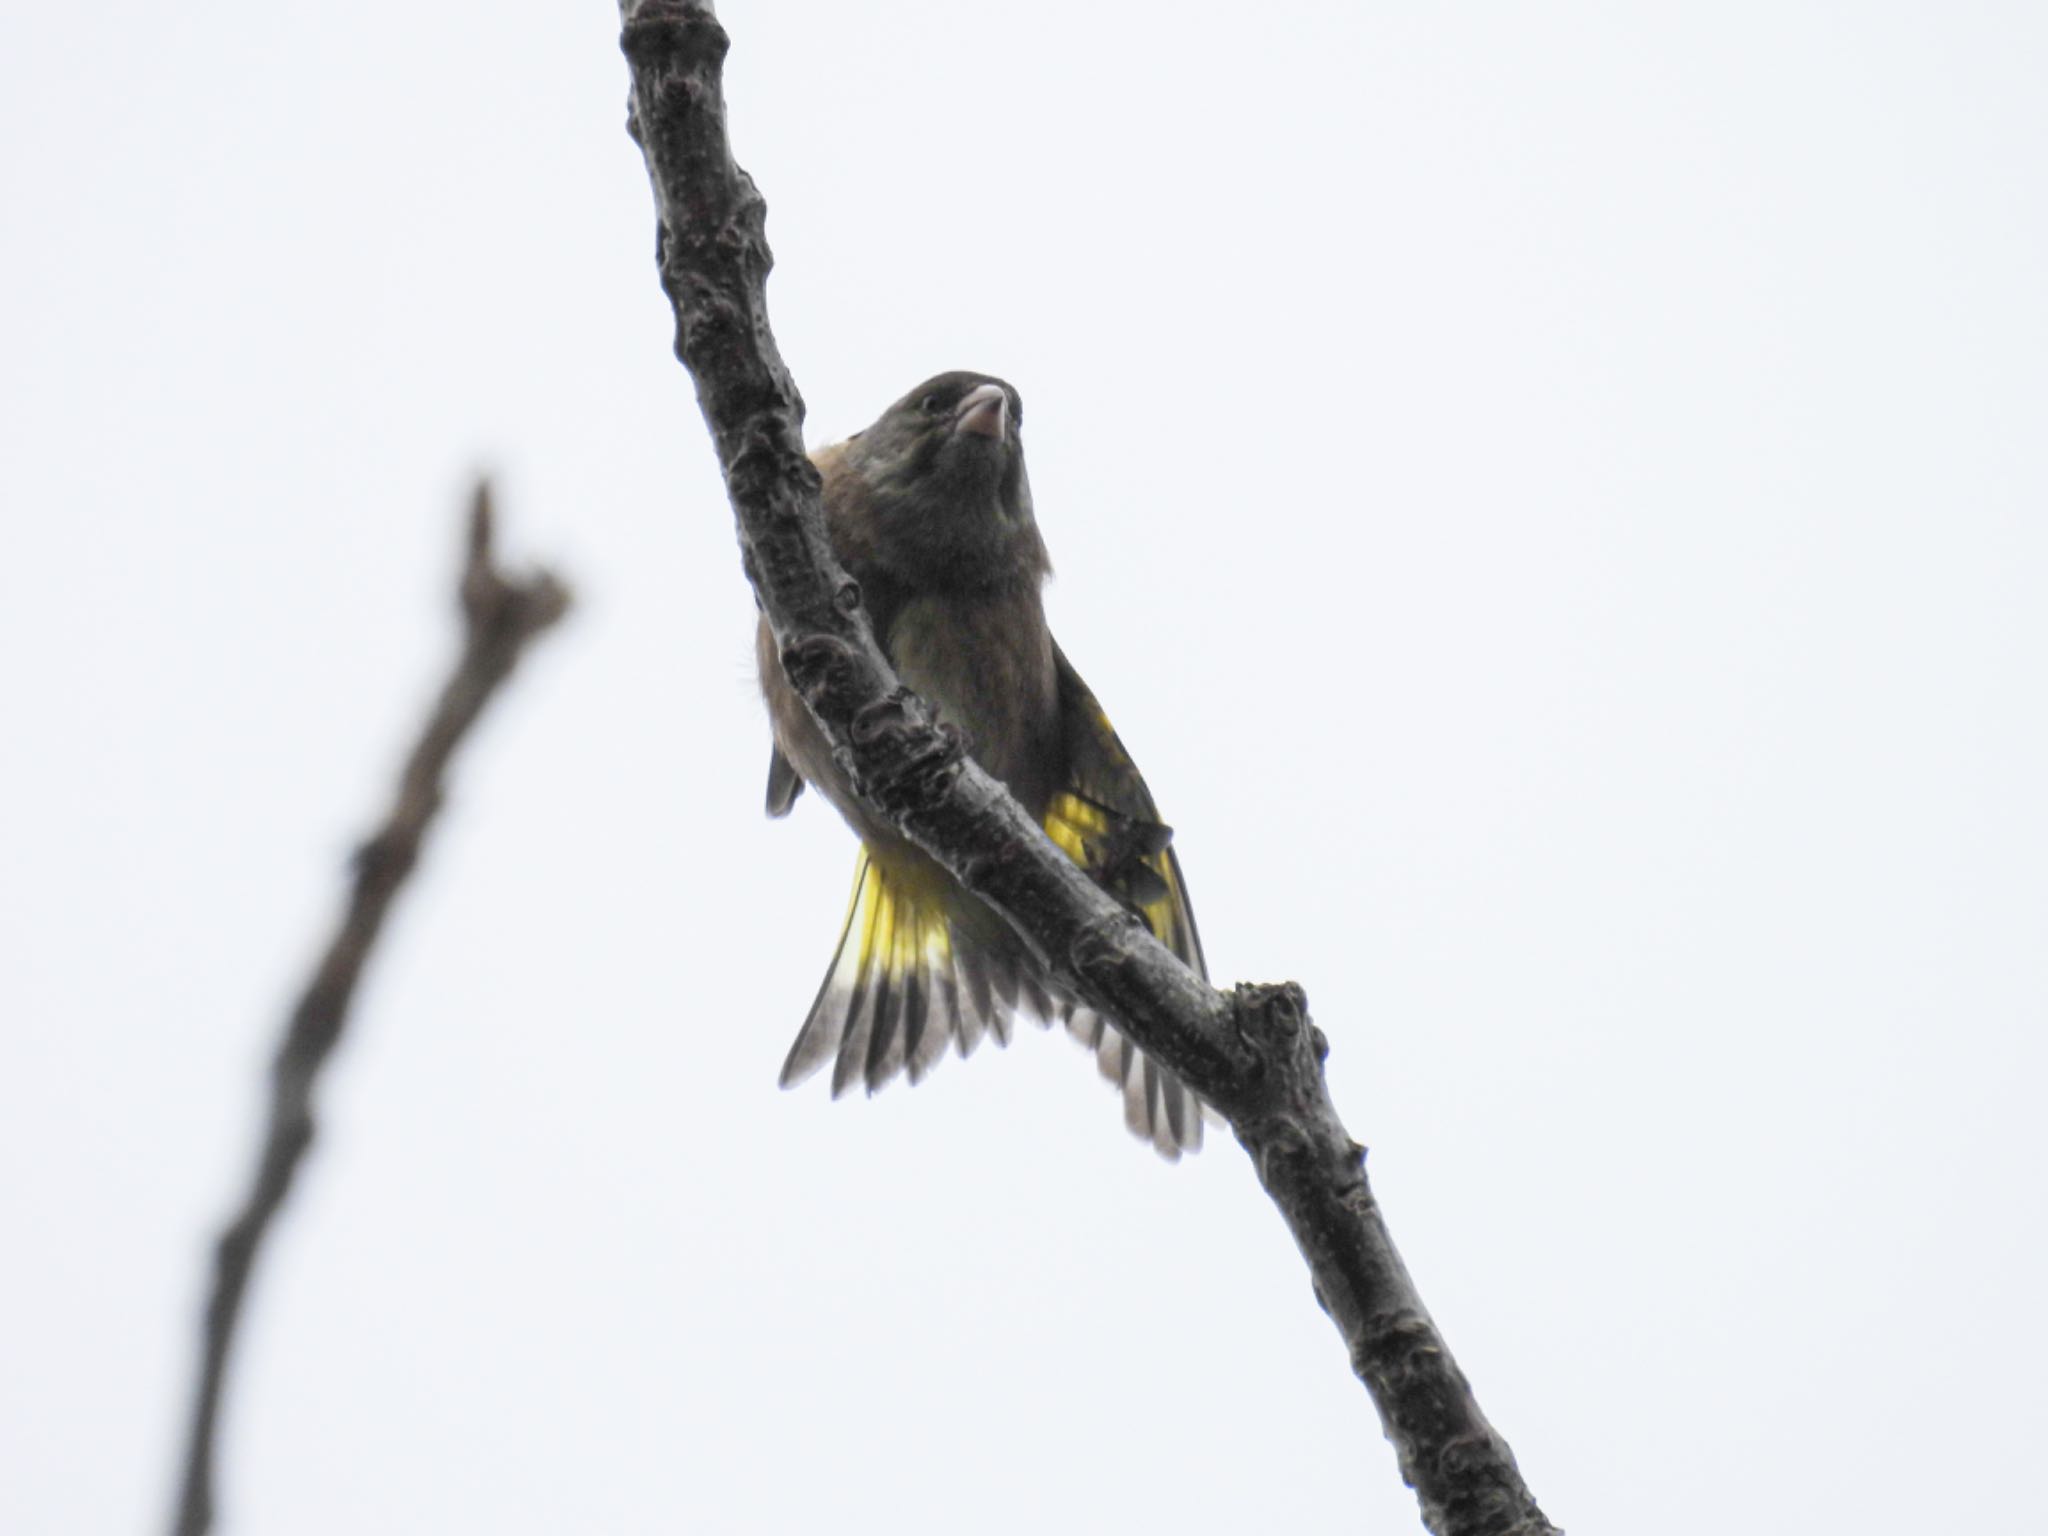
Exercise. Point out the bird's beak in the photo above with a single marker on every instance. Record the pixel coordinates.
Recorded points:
(985, 412)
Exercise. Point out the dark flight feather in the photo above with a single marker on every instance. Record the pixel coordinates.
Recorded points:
(1109, 824)
(784, 783)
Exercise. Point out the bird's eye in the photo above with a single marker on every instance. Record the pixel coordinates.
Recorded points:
(931, 405)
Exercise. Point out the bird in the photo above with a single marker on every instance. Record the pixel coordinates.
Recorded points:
(930, 512)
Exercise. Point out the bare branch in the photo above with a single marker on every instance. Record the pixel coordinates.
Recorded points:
(1252, 1053)
(499, 617)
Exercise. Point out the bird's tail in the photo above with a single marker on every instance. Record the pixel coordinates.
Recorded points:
(914, 973)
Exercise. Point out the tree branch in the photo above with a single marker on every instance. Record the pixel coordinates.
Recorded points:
(1252, 1053)
(499, 616)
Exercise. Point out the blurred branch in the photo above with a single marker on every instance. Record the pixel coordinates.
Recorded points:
(1252, 1053)
(500, 616)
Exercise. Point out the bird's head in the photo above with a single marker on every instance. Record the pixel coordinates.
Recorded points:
(935, 490)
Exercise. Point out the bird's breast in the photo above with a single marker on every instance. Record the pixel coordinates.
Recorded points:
(986, 662)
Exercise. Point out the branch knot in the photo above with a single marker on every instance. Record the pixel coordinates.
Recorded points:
(1272, 1018)
(680, 35)
(819, 667)
(903, 758)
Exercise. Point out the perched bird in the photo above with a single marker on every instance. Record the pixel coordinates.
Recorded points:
(930, 512)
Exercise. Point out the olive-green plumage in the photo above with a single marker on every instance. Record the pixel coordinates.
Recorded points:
(930, 511)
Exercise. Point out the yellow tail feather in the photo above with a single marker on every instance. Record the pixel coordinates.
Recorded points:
(920, 966)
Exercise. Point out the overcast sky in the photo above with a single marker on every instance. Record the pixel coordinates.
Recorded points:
(1553, 498)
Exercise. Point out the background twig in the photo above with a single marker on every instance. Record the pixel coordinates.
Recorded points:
(1252, 1053)
(500, 616)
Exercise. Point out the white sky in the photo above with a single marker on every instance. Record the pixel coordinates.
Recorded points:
(1552, 495)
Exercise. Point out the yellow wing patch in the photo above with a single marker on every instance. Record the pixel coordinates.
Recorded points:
(1101, 843)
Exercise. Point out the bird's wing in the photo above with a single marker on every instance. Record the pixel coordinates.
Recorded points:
(784, 783)
(1104, 819)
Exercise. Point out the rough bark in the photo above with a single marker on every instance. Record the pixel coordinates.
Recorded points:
(1252, 1052)
(500, 616)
